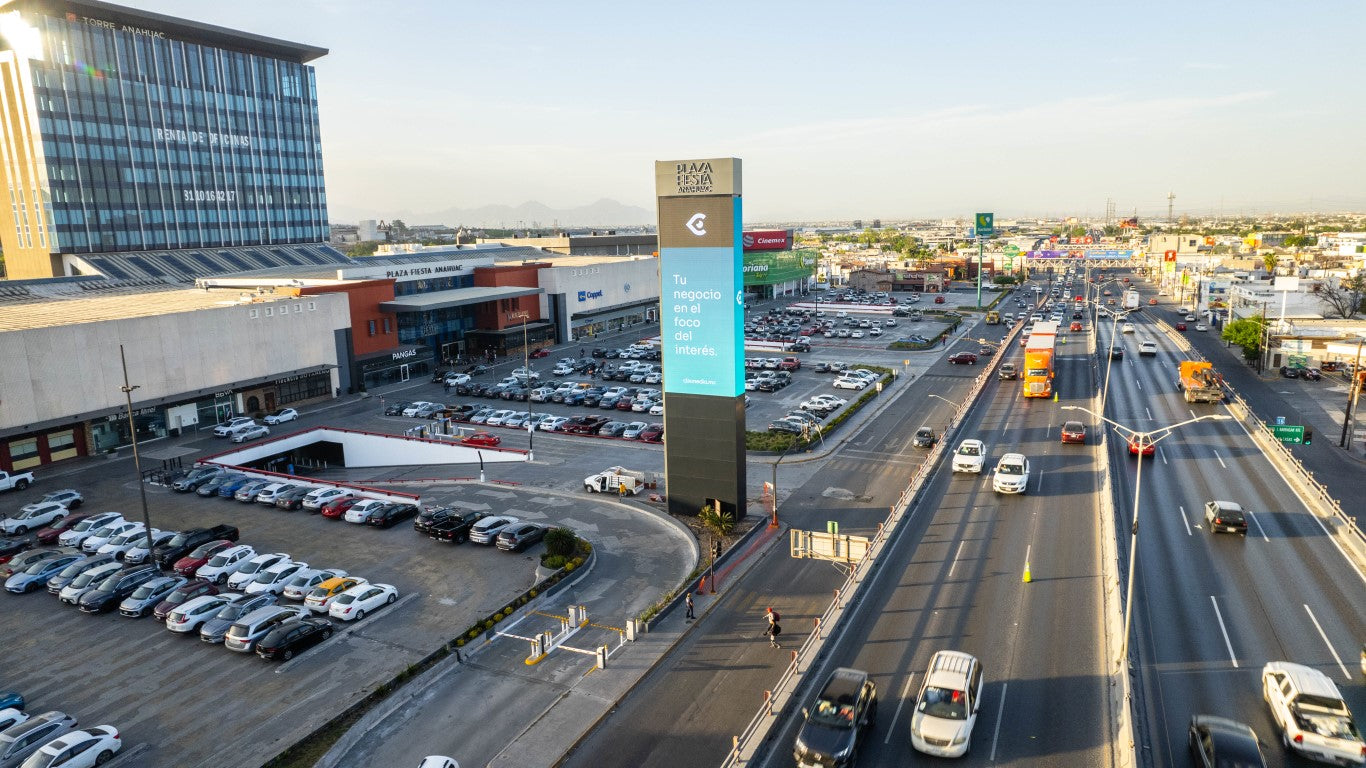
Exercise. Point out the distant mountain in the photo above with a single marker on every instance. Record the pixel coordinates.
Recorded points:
(603, 213)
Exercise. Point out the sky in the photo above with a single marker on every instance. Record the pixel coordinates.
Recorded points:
(893, 110)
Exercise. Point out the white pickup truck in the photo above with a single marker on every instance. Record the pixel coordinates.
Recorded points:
(15, 481)
(1309, 710)
(615, 480)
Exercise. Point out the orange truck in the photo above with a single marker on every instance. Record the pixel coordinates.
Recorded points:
(1199, 383)
(1038, 361)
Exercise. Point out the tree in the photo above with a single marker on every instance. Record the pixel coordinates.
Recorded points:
(1345, 297)
(1247, 333)
(363, 248)
(1269, 260)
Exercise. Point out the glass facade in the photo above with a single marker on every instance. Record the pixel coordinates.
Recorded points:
(152, 142)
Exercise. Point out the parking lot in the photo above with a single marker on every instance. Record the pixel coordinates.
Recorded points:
(165, 691)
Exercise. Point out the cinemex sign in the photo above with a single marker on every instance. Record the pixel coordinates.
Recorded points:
(767, 240)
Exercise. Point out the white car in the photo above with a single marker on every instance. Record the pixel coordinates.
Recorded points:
(274, 578)
(67, 497)
(1126, 328)
(316, 499)
(497, 418)
(657, 409)
(946, 709)
(553, 423)
(78, 749)
(191, 615)
(856, 335)
(250, 432)
(267, 494)
(120, 544)
(281, 416)
(486, 530)
(851, 382)
(455, 379)
(99, 538)
(1201, 327)
(1313, 718)
(1012, 474)
(225, 563)
(360, 512)
(227, 428)
(1147, 349)
(354, 603)
(87, 580)
(303, 582)
(971, 456)
(562, 369)
(320, 598)
(413, 408)
(32, 517)
(823, 402)
(138, 552)
(248, 572)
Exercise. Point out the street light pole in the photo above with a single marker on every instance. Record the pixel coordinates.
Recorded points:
(1142, 440)
(526, 366)
(1355, 389)
(137, 460)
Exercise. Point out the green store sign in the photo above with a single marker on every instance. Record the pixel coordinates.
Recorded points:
(779, 266)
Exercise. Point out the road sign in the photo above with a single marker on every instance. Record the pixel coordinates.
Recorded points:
(1287, 433)
(986, 224)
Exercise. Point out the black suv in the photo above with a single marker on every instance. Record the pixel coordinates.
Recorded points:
(116, 588)
(452, 526)
(182, 543)
(924, 438)
(845, 708)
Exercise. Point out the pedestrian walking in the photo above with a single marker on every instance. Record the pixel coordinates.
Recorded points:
(687, 600)
(774, 628)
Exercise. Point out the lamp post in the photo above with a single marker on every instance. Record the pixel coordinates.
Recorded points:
(523, 315)
(773, 523)
(1142, 440)
(1349, 417)
(1110, 352)
(137, 460)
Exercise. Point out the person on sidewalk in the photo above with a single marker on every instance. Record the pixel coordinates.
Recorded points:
(687, 600)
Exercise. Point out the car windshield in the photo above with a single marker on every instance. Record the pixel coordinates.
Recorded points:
(125, 538)
(1011, 469)
(832, 714)
(85, 578)
(252, 567)
(267, 577)
(147, 590)
(37, 568)
(179, 539)
(346, 599)
(230, 612)
(318, 592)
(970, 450)
(946, 703)
(203, 550)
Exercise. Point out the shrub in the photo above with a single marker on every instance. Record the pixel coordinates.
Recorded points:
(553, 561)
(560, 541)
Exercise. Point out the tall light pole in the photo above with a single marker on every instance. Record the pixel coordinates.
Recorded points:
(137, 460)
(1142, 440)
(526, 368)
(1110, 353)
(1349, 417)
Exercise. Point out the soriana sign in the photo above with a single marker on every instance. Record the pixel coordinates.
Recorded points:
(767, 240)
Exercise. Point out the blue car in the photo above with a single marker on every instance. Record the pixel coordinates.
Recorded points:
(229, 489)
(35, 576)
(12, 700)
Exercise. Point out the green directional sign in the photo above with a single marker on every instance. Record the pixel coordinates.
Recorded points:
(1288, 433)
(986, 224)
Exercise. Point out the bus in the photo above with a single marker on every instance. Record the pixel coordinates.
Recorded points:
(1038, 362)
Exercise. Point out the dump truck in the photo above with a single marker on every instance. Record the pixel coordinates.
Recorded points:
(1200, 383)
(615, 480)
(1038, 361)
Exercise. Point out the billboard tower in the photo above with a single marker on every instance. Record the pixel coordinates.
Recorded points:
(702, 314)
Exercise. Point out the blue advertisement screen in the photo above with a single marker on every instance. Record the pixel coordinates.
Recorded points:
(702, 314)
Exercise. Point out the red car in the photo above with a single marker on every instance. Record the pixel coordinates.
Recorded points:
(187, 565)
(1152, 302)
(49, 534)
(1074, 432)
(963, 358)
(183, 594)
(540, 353)
(483, 439)
(1148, 449)
(653, 433)
(938, 299)
(1180, 326)
(335, 509)
(1075, 326)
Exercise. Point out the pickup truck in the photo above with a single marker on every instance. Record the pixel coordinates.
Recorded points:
(452, 526)
(789, 364)
(615, 480)
(166, 554)
(15, 481)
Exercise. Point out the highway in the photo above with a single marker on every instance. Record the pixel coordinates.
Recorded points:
(1211, 609)
(955, 582)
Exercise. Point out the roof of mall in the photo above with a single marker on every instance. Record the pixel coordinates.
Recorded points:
(52, 307)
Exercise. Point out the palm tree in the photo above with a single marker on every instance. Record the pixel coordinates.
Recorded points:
(718, 524)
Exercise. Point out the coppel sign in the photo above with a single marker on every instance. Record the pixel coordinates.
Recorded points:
(588, 295)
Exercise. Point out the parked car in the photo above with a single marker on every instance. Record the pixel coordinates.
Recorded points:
(67, 497)
(293, 498)
(191, 563)
(49, 533)
(354, 603)
(653, 433)
(140, 552)
(99, 538)
(115, 588)
(281, 416)
(249, 491)
(273, 579)
(63, 578)
(291, 637)
(486, 530)
(481, 440)
(32, 517)
(148, 594)
(227, 428)
(216, 628)
(337, 508)
(87, 580)
(20, 741)
(189, 616)
(36, 575)
(360, 512)
(181, 595)
(452, 525)
(391, 514)
(243, 635)
(515, 538)
(303, 582)
(320, 598)
(246, 574)
(185, 542)
(212, 487)
(253, 432)
(318, 497)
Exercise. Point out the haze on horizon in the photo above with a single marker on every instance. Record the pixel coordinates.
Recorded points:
(860, 110)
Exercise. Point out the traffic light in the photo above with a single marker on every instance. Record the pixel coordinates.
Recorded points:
(716, 549)
(1308, 435)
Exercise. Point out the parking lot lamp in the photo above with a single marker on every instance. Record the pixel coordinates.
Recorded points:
(137, 460)
(526, 368)
(1142, 440)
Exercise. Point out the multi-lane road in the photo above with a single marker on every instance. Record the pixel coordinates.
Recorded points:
(1209, 610)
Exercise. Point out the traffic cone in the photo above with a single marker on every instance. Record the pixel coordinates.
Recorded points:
(1027, 577)
(1055, 397)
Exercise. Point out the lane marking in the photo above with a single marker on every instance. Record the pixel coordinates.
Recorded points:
(1224, 630)
(1253, 518)
(955, 558)
(1191, 412)
(1331, 649)
(1039, 487)
(1186, 520)
(1028, 549)
(1140, 386)
(1220, 460)
(1000, 712)
(905, 691)
(1162, 454)
(1150, 413)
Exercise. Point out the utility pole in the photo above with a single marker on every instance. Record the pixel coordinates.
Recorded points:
(1170, 197)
